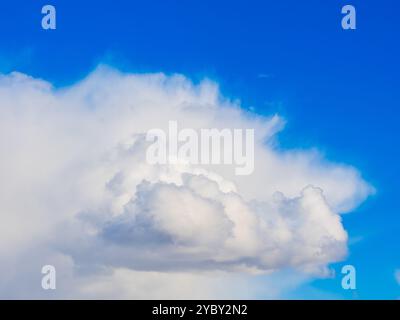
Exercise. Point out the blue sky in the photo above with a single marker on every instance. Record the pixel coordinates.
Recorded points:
(337, 89)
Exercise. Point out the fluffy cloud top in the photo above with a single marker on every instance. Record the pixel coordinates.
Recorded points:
(77, 191)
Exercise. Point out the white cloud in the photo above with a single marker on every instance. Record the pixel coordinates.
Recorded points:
(77, 192)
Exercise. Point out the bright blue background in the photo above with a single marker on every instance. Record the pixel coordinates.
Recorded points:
(339, 90)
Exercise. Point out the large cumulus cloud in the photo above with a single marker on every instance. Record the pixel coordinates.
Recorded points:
(77, 191)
